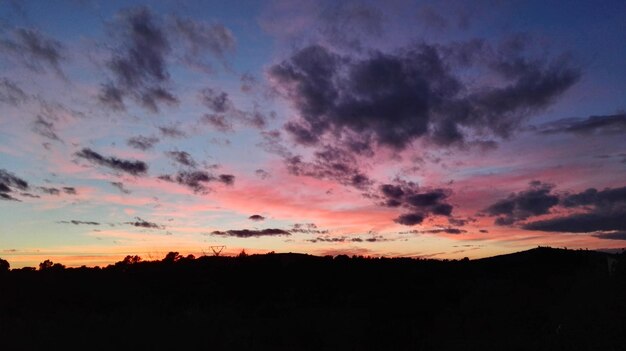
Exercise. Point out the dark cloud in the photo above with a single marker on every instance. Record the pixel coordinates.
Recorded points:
(612, 235)
(446, 231)
(604, 211)
(34, 50)
(75, 222)
(392, 99)
(200, 39)
(49, 190)
(224, 112)
(172, 131)
(9, 182)
(597, 212)
(256, 218)
(136, 168)
(219, 122)
(535, 201)
(420, 202)
(145, 224)
(329, 163)
(142, 143)
(342, 239)
(410, 218)
(247, 233)
(33, 196)
(138, 64)
(4, 188)
(582, 222)
(11, 93)
(227, 179)
(215, 100)
(198, 180)
(182, 157)
(307, 228)
(69, 190)
(45, 128)
(7, 197)
(609, 124)
(120, 186)
(261, 173)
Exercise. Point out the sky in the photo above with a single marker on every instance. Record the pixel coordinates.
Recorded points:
(432, 129)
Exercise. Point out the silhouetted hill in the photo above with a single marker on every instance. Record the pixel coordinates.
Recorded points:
(541, 299)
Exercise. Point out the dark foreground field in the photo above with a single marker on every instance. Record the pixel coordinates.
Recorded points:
(542, 299)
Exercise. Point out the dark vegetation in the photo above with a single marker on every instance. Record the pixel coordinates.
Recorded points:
(541, 299)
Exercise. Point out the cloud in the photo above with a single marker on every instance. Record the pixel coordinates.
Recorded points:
(134, 167)
(437, 231)
(582, 223)
(420, 202)
(11, 93)
(172, 131)
(49, 191)
(142, 143)
(341, 239)
(197, 180)
(34, 50)
(606, 199)
(393, 98)
(256, 218)
(69, 190)
(215, 100)
(330, 163)
(7, 197)
(410, 219)
(145, 224)
(609, 124)
(604, 211)
(219, 122)
(138, 64)
(537, 200)
(200, 38)
(307, 228)
(621, 235)
(10, 182)
(261, 173)
(597, 212)
(224, 111)
(182, 157)
(75, 222)
(227, 179)
(30, 195)
(247, 233)
(45, 128)
(120, 186)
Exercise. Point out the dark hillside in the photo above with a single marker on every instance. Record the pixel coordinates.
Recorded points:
(541, 299)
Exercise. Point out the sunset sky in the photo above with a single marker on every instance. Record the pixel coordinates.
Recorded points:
(436, 129)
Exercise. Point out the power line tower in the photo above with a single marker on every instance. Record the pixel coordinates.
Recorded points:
(217, 250)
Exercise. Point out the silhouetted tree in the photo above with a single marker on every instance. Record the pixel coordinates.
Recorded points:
(47, 264)
(242, 254)
(172, 257)
(131, 260)
(4, 265)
